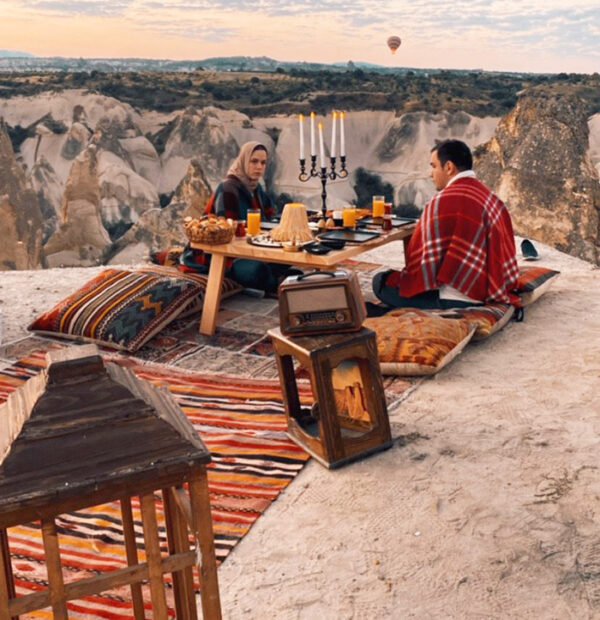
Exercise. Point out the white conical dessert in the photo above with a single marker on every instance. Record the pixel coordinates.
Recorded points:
(293, 225)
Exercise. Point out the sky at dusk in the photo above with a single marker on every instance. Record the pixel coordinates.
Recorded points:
(505, 35)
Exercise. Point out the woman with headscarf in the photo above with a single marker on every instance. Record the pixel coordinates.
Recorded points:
(240, 190)
(233, 197)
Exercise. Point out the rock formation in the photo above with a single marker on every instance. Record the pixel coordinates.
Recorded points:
(162, 228)
(124, 194)
(76, 140)
(201, 134)
(143, 156)
(20, 215)
(157, 229)
(538, 162)
(49, 190)
(81, 239)
(193, 191)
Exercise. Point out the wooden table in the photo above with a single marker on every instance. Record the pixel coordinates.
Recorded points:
(240, 248)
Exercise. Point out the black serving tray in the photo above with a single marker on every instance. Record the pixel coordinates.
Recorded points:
(350, 236)
(396, 221)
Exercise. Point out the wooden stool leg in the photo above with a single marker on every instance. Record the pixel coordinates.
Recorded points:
(183, 580)
(7, 586)
(132, 556)
(53, 565)
(202, 529)
(157, 586)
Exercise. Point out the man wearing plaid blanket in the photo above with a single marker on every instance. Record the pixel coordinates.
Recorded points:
(462, 252)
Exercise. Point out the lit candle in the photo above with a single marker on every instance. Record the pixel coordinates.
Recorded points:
(313, 151)
(301, 129)
(321, 147)
(342, 135)
(332, 154)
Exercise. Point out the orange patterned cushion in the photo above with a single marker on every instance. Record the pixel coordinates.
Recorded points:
(487, 319)
(416, 342)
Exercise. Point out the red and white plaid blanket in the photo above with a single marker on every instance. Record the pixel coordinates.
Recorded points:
(464, 238)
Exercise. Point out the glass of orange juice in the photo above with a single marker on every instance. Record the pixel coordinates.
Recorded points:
(378, 206)
(253, 221)
(349, 217)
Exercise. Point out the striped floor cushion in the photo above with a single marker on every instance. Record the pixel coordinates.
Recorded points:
(533, 282)
(123, 309)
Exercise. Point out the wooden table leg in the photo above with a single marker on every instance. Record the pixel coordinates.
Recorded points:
(178, 540)
(132, 556)
(212, 295)
(405, 242)
(7, 586)
(202, 529)
(153, 556)
(54, 568)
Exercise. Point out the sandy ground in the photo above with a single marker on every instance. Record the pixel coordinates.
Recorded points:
(487, 505)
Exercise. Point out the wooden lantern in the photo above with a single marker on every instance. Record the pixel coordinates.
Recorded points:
(349, 418)
(83, 433)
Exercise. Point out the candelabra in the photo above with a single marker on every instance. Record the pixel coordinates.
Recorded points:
(323, 175)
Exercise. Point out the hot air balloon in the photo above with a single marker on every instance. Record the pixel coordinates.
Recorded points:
(394, 43)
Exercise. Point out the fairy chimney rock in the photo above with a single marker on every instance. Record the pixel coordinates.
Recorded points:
(538, 162)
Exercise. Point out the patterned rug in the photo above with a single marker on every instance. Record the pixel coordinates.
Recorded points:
(241, 421)
(240, 345)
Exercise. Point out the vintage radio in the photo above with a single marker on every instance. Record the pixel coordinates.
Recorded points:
(321, 302)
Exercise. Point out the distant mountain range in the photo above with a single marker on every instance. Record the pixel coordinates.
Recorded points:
(22, 61)
(14, 54)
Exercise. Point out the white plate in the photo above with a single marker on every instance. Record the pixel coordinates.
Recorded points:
(264, 240)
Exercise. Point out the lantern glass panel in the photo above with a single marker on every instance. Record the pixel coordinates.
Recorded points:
(350, 400)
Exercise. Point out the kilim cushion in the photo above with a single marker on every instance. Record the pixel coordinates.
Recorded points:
(119, 308)
(168, 258)
(533, 282)
(228, 287)
(414, 342)
(487, 319)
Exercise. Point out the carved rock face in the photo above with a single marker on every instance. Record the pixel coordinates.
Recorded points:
(538, 163)
(20, 215)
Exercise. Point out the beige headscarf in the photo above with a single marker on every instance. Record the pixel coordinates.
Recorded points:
(239, 168)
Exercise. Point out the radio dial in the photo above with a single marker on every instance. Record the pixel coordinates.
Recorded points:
(340, 316)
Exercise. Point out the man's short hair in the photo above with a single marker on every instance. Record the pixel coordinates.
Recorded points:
(455, 151)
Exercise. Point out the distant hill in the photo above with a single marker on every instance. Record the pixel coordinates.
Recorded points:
(29, 63)
(289, 90)
(15, 54)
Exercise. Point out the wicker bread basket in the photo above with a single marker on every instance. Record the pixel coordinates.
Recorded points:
(209, 229)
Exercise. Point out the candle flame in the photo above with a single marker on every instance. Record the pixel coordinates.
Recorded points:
(312, 114)
(335, 114)
(301, 117)
(320, 125)
(342, 114)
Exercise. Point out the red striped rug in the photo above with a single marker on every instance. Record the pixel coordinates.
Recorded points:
(241, 421)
